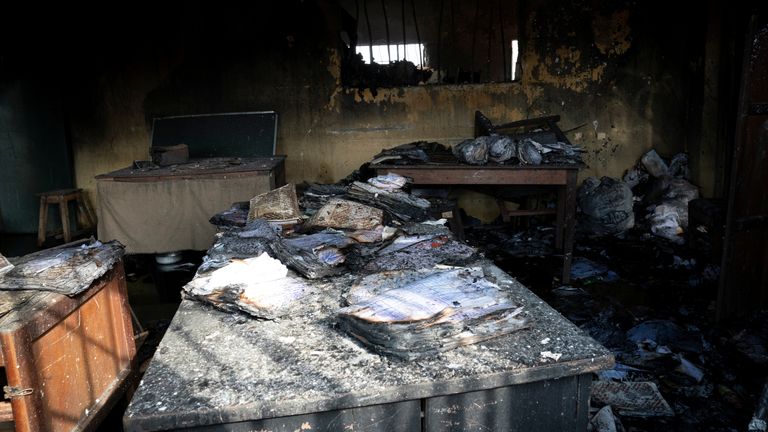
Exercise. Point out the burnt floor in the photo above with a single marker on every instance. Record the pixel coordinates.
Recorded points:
(647, 283)
(625, 283)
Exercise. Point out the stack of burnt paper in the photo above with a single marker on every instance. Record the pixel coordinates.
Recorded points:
(420, 251)
(411, 153)
(248, 241)
(416, 314)
(315, 196)
(397, 204)
(260, 286)
(237, 215)
(315, 255)
(65, 270)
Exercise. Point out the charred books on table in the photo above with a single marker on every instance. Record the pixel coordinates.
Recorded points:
(279, 204)
(424, 315)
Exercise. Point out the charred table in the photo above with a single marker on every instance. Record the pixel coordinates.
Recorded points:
(219, 371)
(558, 178)
(157, 210)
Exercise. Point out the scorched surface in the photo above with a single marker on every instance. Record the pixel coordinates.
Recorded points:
(215, 367)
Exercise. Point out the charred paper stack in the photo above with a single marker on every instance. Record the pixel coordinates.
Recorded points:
(411, 153)
(68, 270)
(398, 204)
(315, 196)
(423, 315)
(315, 255)
(260, 286)
(248, 241)
(420, 251)
(237, 215)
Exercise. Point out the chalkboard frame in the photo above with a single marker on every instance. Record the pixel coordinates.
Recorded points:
(215, 149)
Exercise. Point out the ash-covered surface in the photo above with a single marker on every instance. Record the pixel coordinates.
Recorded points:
(67, 270)
(215, 367)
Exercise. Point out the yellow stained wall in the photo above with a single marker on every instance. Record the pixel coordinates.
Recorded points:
(327, 130)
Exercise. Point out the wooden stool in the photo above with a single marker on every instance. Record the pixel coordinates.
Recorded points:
(62, 198)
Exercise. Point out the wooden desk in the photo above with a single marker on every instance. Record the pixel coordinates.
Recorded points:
(561, 178)
(66, 358)
(219, 371)
(167, 209)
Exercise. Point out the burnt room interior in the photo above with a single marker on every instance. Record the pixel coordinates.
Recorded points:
(422, 215)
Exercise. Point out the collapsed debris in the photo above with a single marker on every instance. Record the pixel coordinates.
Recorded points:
(607, 206)
(344, 228)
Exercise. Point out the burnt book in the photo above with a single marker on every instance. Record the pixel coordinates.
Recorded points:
(259, 286)
(314, 256)
(397, 204)
(416, 314)
(235, 216)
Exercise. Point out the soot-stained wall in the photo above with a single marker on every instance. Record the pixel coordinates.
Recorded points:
(620, 74)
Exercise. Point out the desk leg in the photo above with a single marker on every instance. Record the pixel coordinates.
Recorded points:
(570, 222)
(560, 218)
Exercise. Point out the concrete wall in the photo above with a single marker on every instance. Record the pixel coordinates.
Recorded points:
(622, 72)
(34, 156)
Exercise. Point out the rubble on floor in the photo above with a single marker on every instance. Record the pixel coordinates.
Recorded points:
(651, 301)
(654, 194)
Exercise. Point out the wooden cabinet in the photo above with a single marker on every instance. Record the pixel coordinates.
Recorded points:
(65, 359)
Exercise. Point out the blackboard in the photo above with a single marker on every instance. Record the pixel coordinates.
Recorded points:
(245, 134)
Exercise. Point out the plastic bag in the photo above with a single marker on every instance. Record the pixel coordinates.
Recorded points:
(606, 205)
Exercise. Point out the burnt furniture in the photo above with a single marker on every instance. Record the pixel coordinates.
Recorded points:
(159, 210)
(62, 198)
(554, 178)
(65, 359)
(219, 371)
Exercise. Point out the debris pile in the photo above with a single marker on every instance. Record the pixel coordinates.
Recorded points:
(653, 195)
(606, 206)
(369, 228)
